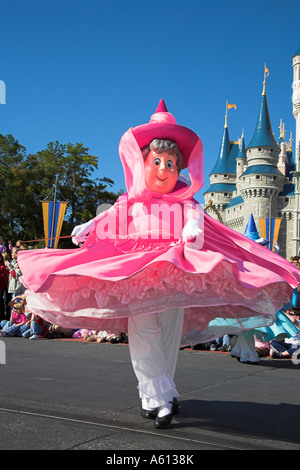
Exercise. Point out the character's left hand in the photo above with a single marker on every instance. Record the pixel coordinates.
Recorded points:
(80, 232)
(191, 230)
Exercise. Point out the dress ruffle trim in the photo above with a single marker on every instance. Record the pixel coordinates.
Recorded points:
(158, 284)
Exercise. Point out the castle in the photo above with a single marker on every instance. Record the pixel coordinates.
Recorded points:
(260, 181)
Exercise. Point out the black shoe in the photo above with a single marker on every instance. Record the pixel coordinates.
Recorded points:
(163, 422)
(149, 414)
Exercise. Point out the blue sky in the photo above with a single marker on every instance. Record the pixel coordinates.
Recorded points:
(87, 70)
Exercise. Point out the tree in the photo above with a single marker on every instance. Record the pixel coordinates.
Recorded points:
(12, 158)
(26, 180)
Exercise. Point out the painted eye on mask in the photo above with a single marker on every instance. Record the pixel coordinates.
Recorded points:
(157, 161)
(169, 164)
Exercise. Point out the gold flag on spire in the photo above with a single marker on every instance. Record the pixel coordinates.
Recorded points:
(266, 71)
(231, 106)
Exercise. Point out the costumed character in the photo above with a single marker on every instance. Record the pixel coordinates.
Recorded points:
(158, 267)
(283, 327)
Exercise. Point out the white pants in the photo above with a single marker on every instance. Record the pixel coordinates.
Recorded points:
(154, 342)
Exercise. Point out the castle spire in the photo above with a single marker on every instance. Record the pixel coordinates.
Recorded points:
(221, 163)
(282, 130)
(263, 135)
(242, 149)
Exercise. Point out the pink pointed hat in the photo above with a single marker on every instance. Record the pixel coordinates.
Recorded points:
(163, 125)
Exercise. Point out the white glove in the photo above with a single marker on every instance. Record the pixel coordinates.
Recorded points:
(191, 230)
(80, 232)
(262, 241)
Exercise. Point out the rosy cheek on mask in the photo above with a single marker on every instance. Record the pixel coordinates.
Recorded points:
(161, 172)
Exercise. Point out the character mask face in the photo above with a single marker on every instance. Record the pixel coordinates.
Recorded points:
(161, 171)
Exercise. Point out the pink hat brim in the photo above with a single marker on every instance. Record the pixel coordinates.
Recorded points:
(182, 136)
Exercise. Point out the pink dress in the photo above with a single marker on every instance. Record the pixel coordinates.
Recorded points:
(135, 261)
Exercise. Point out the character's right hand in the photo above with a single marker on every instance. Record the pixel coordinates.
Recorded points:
(191, 230)
(80, 232)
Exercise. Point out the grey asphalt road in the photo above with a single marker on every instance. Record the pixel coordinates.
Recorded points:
(73, 395)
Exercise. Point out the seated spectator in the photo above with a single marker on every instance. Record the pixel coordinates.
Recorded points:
(56, 331)
(286, 348)
(17, 323)
(262, 347)
(221, 344)
(36, 326)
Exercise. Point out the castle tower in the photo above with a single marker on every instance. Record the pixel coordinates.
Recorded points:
(261, 183)
(282, 161)
(222, 177)
(296, 180)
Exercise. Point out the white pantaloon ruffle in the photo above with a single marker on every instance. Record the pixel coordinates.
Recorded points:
(244, 349)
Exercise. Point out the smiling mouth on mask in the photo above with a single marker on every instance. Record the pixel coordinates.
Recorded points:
(161, 179)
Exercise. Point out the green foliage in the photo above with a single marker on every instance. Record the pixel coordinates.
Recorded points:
(26, 180)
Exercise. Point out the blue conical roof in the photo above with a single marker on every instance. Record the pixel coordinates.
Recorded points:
(221, 164)
(231, 162)
(297, 50)
(263, 134)
(251, 230)
(242, 149)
